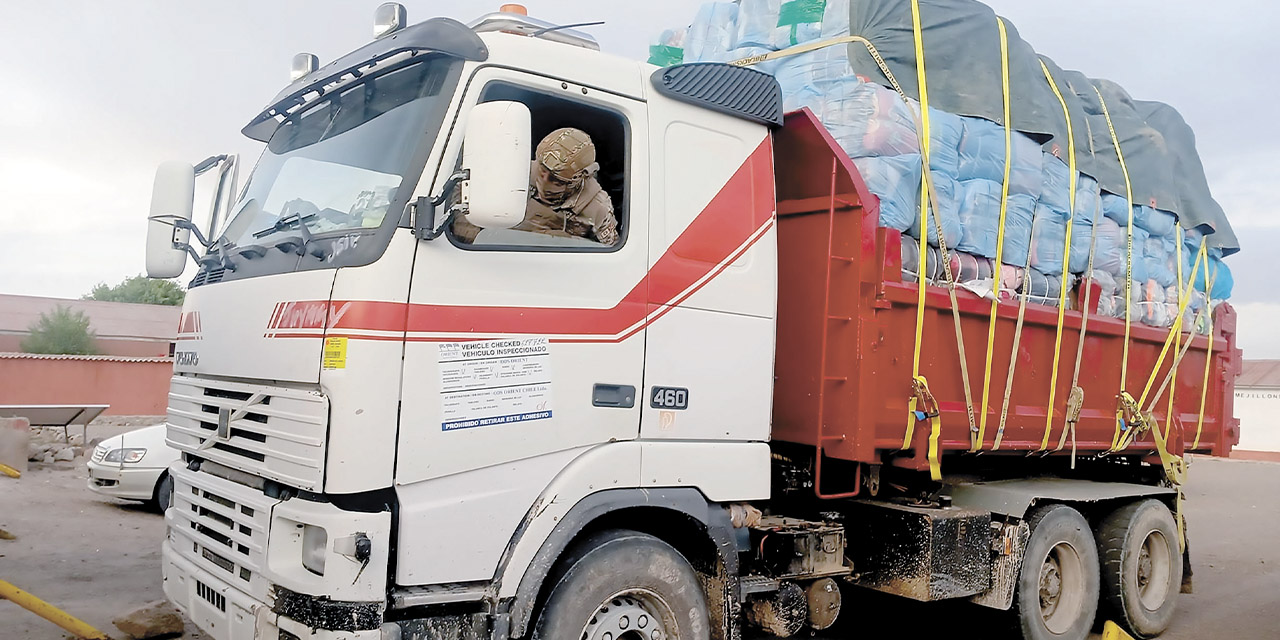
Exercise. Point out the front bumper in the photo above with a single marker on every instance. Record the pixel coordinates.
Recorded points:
(226, 613)
(129, 483)
(233, 563)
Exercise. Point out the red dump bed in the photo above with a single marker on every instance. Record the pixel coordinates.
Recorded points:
(846, 330)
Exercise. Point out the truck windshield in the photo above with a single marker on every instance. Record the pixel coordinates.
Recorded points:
(339, 164)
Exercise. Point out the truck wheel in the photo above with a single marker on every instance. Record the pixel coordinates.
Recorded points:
(1058, 584)
(1141, 566)
(624, 585)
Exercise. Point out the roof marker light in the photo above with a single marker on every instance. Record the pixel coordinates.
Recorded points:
(388, 18)
(303, 64)
(514, 8)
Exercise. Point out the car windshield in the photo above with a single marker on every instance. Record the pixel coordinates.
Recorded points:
(337, 165)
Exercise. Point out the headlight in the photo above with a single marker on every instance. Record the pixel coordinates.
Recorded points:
(124, 455)
(314, 541)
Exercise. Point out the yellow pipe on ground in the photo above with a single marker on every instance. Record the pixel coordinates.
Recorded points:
(49, 612)
(9, 471)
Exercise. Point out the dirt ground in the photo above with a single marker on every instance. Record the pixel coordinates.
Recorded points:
(97, 557)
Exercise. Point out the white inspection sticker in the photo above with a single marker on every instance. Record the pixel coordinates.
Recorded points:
(494, 382)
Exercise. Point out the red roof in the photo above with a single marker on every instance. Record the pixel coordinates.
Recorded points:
(1259, 374)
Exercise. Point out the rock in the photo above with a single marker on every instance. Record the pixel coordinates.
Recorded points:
(34, 453)
(47, 458)
(79, 451)
(65, 454)
(75, 439)
(152, 620)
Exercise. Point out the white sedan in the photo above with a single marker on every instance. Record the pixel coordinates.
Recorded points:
(134, 466)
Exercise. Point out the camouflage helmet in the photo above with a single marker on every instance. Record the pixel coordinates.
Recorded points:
(569, 155)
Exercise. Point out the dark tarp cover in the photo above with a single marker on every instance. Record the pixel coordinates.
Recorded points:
(1198, 206)
(962, 59)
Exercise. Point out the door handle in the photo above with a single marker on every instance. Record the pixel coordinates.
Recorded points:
(621, 396)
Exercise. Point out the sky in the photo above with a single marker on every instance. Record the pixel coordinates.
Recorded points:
(99, 93)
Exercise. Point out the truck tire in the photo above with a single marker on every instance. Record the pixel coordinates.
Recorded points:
(1058, 584)
(624, 585)
(1141, 567)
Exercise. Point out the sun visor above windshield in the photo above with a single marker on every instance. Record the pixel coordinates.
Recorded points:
(439, 35)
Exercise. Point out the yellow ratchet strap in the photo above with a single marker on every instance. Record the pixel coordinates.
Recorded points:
(921, 130)
(1177, 344)
(913, 404)
(1066, 258)
(1176, 330)
(1128, 275)
(927, 409)
(1173, 333)
(1075, 401)
(1208, 354)
(1004, 209)
(1017, 340)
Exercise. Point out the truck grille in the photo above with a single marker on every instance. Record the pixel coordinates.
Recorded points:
(99, 452)
(271, 432)
(221, 527)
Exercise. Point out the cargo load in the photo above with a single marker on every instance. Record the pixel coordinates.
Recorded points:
(1138, 212)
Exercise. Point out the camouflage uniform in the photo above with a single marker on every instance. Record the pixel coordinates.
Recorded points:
(565, 199)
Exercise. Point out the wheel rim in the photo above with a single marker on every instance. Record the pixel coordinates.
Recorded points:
(1062, 587)
(1153, 571)
(634, 614)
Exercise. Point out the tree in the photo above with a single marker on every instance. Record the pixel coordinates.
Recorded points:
(139, 289)
(61, 331)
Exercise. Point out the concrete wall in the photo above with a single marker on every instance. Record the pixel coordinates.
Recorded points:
(132, 386)
(1259, 412)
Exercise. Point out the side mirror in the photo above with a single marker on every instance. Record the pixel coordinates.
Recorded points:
(496, 153)
(172, 198)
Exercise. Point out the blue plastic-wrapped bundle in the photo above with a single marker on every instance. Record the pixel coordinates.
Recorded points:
(979, 215)
(1140, 236)
(713, 34)
(1109, 248)
(778, 24)
(1223, 281)
(1055, 188)
(1048, 239)
(868, 120)
(1019, 215)
(1081, 233)
(1154, 221)
(895, 180)
(947, 210)
(1116, 208)
(1087, 195)
(813, 79)
(1155, 258)
(945, 133)
(982, 157)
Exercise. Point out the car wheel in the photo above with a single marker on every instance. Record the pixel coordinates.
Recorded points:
(163, 495)
(1058, 584)
(1141, 566)
(625, 585)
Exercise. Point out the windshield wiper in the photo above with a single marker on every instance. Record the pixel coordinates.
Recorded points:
(293, 244)
(288, 222)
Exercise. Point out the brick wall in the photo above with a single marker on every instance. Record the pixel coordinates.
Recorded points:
(131, 386)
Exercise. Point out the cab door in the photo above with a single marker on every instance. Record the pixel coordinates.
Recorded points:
(520, 344)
